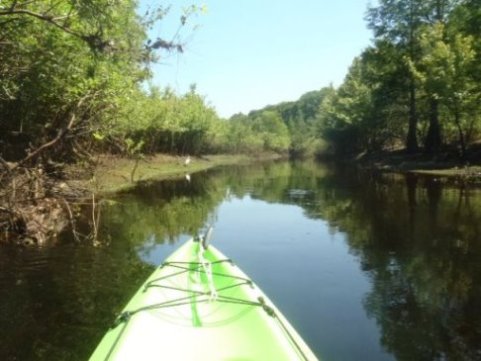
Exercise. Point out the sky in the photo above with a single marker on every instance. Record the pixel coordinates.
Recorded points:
(244, 55)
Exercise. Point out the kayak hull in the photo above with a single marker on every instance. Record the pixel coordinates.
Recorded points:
(198, 305)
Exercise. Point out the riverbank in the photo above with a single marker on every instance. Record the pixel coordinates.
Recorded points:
(442, 165)
(37, 204)
(113, 174)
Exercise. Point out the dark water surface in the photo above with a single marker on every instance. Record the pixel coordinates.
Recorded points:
(365, 266)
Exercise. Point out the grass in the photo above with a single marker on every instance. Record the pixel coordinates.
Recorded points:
(114, 174)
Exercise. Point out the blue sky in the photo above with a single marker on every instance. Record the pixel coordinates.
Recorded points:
(250, 53)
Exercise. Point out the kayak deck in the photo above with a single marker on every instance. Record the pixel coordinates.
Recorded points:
(199, 306)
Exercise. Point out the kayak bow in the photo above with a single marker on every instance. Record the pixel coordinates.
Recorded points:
(199, 306)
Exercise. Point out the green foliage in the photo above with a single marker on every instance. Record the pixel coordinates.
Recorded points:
(166, 122)
(421, 78)
(269, 127)
(263, 131)
(299, 137)
(445, 72)
(76, 69)
(82, 66)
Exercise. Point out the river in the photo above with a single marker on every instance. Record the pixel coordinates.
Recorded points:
(366, 266)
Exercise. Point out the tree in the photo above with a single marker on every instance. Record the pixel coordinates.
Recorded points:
(59, 73)
(399, 22)
(445, 72)
(440, 9)
(355, 117)
(67, 69)
(272, 130)
(301, 118)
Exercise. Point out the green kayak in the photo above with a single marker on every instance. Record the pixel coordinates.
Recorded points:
(199, 306)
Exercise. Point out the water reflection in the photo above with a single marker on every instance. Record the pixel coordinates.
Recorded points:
(420, 243)
(390, 264)
(160, 212)
(56, 302)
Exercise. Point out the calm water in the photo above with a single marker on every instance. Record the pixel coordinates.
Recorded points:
(365, 266)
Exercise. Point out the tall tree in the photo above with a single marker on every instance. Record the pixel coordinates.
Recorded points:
(439, 11)
(399, 22)
(445, 71)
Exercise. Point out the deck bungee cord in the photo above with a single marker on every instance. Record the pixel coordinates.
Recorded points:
(213, 295)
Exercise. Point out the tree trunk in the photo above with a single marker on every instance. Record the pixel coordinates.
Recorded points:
(432, 143)
(411, 140)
